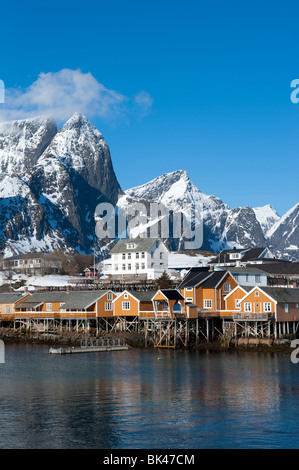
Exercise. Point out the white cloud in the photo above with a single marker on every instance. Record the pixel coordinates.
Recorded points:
(68, 91)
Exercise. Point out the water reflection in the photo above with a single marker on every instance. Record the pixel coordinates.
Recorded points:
(147, 399)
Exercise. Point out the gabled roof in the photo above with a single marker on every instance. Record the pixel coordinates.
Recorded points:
(143, 296)
(172, 294)
(194, 277)
(213, 281)
(142, 244)
(253, 253)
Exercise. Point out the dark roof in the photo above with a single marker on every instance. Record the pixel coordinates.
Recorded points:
(213, 280)
(194, 277)
(253, 253)
(281, 268)
(172, 294)
(282, 294)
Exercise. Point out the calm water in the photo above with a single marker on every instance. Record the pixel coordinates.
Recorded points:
(147, 399)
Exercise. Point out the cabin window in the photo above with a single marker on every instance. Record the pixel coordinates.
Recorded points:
(247, 306)
(129, 255)
(124, 267)
(208, 303)
(161, 255)
(108, 306)
(267, 306)
(236, 276)
(257, 278)
(125, 296)
(143, 255)
(129, 267)
(124, 255)
(126, 305)
(257, 293)
(237, 303)
(7, 309)
(226, 287)
(142, 266)
(189, 299)
(109, 296)
(286, 308)
(49, 307)
(137, 255)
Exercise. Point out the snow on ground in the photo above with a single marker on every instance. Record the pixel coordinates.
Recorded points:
(181, 261)
(53, 280)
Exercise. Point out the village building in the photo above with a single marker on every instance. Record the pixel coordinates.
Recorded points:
(242, 257)
(32, 264)
(137, 258)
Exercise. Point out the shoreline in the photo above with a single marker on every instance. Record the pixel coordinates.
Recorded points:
(137, 340)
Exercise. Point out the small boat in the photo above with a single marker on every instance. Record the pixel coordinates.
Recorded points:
(60, 351)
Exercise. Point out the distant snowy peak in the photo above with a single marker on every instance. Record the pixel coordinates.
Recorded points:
(22, 142)
(267, 217)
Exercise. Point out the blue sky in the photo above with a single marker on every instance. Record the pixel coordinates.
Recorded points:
(200, 86)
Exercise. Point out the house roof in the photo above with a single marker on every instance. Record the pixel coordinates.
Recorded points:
(282, 294)
(143, 296)
(245, 270)
(283, 268)
(82, 299)
(142, 244)
(249, 254)
(253, 253)
(194, 277)
(172, 294)
(214, 280)
(41, 297)
(10, 297)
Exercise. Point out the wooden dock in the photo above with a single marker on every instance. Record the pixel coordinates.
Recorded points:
(93, 345)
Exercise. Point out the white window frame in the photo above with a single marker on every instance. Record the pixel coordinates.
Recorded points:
(109, 296)
(49, 306)
(286, 308)
(227, 287)
(207, 303)
(267, 306)
(189, 299)
(247, 306)
(108, 306)
(237, 303)
(126, 305)
(7, 309)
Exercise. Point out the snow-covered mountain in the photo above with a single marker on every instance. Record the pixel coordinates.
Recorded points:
(222, 227)
(49, 201)
(51, 183)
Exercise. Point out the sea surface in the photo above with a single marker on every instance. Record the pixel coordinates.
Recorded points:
(147, 399)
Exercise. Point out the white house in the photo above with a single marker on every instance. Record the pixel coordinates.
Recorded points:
(249, 276)
(137, 258)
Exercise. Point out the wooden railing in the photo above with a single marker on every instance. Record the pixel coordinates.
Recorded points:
(250, 316)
